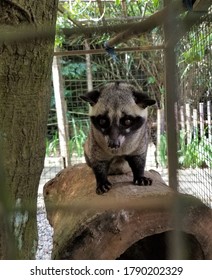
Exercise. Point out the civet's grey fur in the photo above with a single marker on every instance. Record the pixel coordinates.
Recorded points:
(118, 136)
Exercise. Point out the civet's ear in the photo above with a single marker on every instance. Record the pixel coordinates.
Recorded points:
(91, 97)
(143, 99)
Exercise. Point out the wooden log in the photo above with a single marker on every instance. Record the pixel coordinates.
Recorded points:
(128, 222)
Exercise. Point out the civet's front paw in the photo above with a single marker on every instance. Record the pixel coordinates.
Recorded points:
(142, 181)
(103, 187)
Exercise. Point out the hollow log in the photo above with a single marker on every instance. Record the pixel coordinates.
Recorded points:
(128, 222)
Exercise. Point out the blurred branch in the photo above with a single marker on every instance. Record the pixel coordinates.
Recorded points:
(21, 34)
(99, 51)
(139, 204)
(133, 29)
(130, 29)
(26, 33)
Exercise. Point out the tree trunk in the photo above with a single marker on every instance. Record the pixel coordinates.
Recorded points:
(25, 80)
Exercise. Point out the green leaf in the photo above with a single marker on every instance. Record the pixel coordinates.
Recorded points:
(151, 80)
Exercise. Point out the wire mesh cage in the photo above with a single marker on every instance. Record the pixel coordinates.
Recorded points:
(194, 107)
(130, 67)
(194, 104)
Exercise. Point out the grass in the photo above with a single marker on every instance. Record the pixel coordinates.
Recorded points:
(197, 153)
(52, 145)
(79, 131)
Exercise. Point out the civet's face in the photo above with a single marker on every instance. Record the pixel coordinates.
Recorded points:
(117, 110)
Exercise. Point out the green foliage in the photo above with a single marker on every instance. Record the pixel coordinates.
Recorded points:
(151, 80)
(188, 153)
(52, 145)
(62, 22)
(163, 151)
(197, 47)
(74, 70)
(80, 131)
(156, 3)
(79, 134)
(194, 54)
(197, 153)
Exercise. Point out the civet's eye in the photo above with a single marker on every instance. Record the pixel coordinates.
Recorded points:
(103, 122)
(126, 121)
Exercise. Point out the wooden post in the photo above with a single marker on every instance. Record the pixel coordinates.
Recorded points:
(88, 67)
(195, 123)
(201, 119)
(61, 112)
(170, 28)
(182, 119)
(171, 95)
(160, 129)
(188, 122)
(209, 121)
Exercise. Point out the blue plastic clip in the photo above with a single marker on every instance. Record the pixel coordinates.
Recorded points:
(111, 51)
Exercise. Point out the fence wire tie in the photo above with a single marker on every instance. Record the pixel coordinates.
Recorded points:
(111, 51)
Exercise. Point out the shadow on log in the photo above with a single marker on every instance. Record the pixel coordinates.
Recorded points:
(128, 222)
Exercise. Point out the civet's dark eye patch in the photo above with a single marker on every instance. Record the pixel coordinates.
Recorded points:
(131, 123)
(101, 122)
(127, 124)
(127, 121)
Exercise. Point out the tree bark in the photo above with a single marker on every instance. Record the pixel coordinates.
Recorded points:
(25, 81)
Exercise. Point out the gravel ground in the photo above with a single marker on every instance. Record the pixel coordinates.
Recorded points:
(45, 232)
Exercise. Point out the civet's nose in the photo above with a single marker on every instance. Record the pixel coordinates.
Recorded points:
(114, 144)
